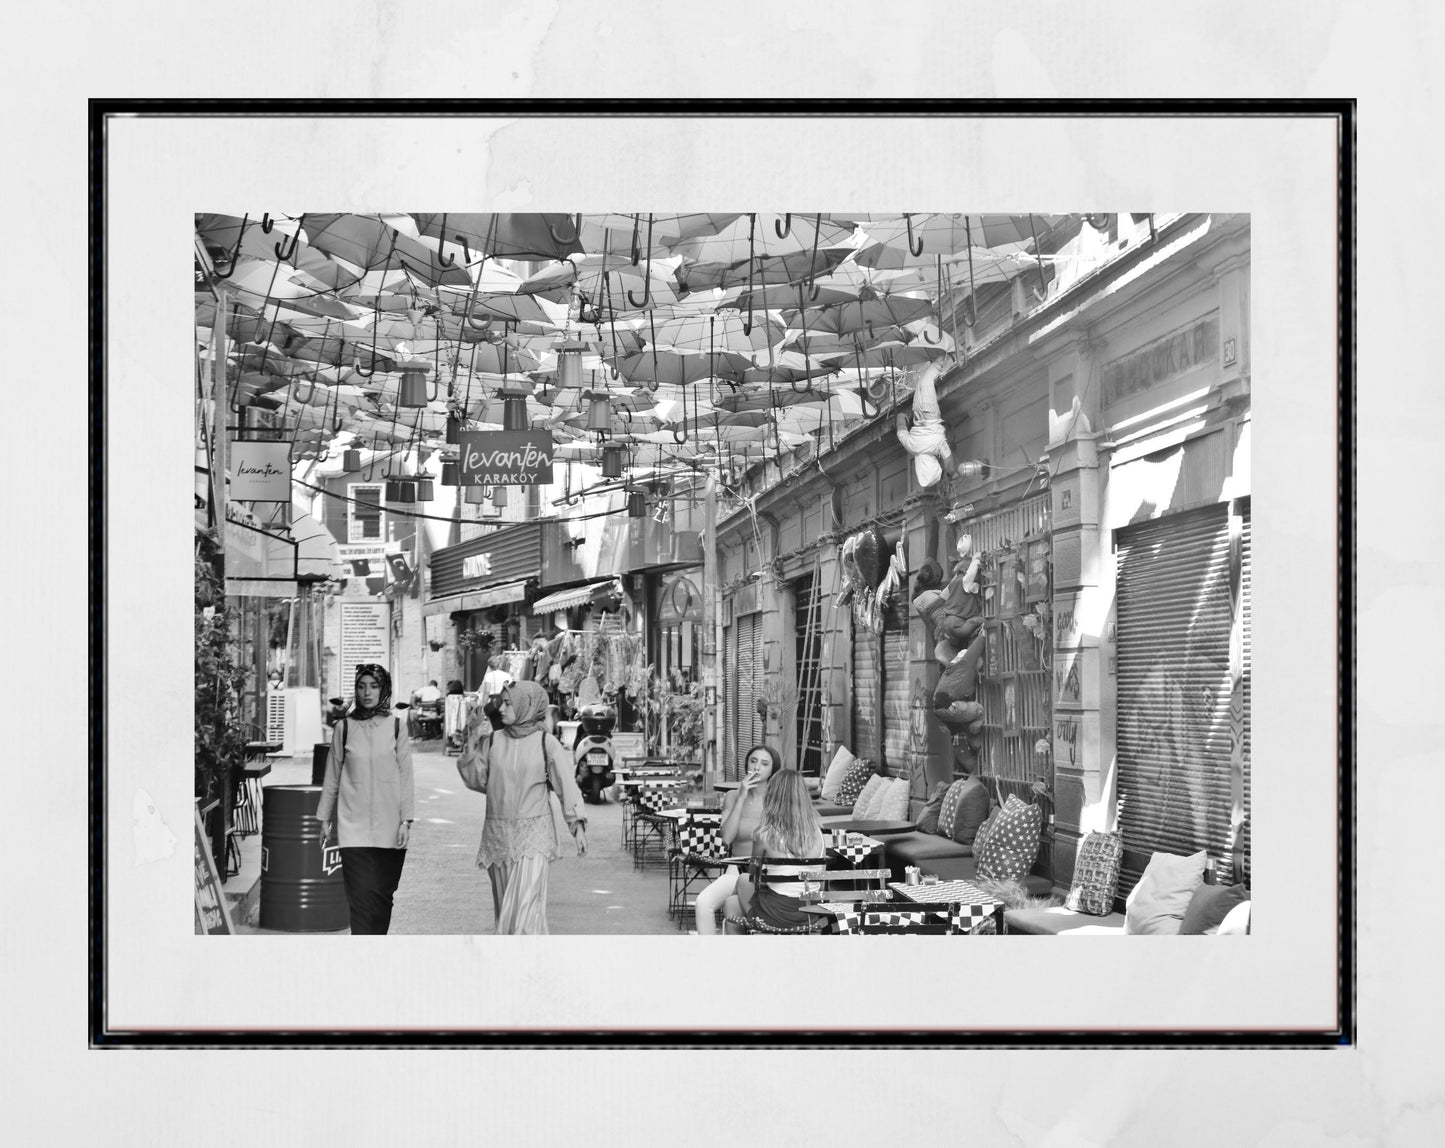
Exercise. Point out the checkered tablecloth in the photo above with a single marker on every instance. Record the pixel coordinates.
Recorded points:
(965, 891)
(852, 853)
(847, 920)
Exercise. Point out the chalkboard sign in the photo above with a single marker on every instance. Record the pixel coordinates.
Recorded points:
(212, 916)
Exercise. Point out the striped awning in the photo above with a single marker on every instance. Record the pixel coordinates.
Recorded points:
(575, 596)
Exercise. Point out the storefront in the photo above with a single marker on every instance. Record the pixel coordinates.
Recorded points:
(482, 586)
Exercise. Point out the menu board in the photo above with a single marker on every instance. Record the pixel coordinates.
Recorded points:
(365, 638)
(212, 916)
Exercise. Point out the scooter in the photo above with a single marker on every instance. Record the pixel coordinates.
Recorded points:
(593, 753)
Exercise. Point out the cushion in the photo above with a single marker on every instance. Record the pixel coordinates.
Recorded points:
(973, 806)
(1012, 844)
(1096, 874)
(1209, 906)
(894, 806)
(928, 815)
(858, 774)
(948, 812)
(986, 828)
(864, 799)
(1236, 921)
(1061, 922)
(837, 770)
(1157, 904)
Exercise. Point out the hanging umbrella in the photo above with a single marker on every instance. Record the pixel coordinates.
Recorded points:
(777, 296)
(873, 311)
(753, 237)
(616, 232)
(890, 355)
(519, 235)
(716, 332)
(610, 284)
(675, 368)
(370, 242)
(793, 267)
(840, 407)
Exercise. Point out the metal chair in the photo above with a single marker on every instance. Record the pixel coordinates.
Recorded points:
(651, 832)
(819, 883)
(698, 856)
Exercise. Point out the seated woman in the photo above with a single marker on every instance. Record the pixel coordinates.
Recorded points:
(789, 828)
(741, 813)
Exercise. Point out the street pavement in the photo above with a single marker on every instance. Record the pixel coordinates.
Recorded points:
(442, 891)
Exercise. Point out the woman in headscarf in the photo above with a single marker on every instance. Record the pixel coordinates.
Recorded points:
(517, 766)
(367, 800)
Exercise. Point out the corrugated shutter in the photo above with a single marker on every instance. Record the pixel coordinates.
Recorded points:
(1245, 595)
(808, 637)
(865, 692)
(1172, 649)
(896, 707)
(729, 675)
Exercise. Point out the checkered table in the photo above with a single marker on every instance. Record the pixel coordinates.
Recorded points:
(851, 852)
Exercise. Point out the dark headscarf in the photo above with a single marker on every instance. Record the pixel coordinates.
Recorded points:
(529, 708)
(383, 705)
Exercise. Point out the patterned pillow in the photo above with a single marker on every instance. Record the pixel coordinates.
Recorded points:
(928, 815)
(1096, 874)
(894, 806)
(973, 805)
(866, 797)
(863, 792)
(1012, 844)
(986, 828)
(948, 811)
(852, 785)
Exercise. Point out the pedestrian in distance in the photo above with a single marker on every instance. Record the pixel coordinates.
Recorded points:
(368, 800)
(518, 767)
(790, 828)
(742, 811)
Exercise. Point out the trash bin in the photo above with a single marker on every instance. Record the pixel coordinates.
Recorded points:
(319, 754)
(301, 889)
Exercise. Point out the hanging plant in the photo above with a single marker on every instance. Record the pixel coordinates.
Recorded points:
(220, 739)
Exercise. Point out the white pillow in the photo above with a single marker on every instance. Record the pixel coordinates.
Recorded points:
(1236, 921)
(837, 770)
(866, 796)
(894, 806)
(1157, 903)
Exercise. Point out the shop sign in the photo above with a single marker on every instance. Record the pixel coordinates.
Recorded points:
(260, 471)
(477, 566)
(506, 458)
(679, 601)
(212, 915)
(365, 638)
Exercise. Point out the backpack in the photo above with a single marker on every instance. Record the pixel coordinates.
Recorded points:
(345, 724)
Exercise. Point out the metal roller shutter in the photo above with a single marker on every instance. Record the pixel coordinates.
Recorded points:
(727, 743)
(896, 707)
(865, 693)
(1245, 594)
(1173, 721)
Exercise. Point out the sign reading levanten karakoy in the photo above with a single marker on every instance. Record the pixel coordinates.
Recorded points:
(506, 458)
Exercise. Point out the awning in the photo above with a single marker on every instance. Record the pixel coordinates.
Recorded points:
(481, 599)
(576, 596)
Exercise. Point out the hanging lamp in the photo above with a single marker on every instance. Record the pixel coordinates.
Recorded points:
(599, 413)
(499, 496)
(636, 504)
(476, 494)
(454, 430)
(614, 460)
(351, 459)
(450, 477)
(425, 490)
(411, 391)
(569, 364)
(514, 413)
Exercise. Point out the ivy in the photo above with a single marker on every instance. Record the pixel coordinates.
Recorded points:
(220, 740)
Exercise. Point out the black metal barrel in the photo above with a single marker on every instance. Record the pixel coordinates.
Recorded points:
(301, 889)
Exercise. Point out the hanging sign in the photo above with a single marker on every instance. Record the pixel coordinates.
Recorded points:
(679, 602)
(260, 471)
(212, 916)
(365, 638)
(506, 458)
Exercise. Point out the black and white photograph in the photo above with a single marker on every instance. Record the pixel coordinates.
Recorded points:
(463, 461)
(604, 486)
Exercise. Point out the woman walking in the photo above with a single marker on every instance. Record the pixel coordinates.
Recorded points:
(741, 813)
(367, 800)
(517, 766)
(789, 828)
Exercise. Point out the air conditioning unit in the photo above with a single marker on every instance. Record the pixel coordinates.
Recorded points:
(293, 720)
(276, 716)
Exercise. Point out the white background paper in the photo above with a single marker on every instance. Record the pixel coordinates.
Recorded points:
(1281, 172)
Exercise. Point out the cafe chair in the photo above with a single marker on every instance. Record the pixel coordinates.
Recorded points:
(819, 884)
(697, 859)
(651, 832)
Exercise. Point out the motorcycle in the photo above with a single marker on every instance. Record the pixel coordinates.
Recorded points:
(593, 754)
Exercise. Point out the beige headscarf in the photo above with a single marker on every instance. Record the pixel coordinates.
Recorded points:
(529, 708)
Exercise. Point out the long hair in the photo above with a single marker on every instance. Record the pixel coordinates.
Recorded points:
(790, 825)
(770, 751)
